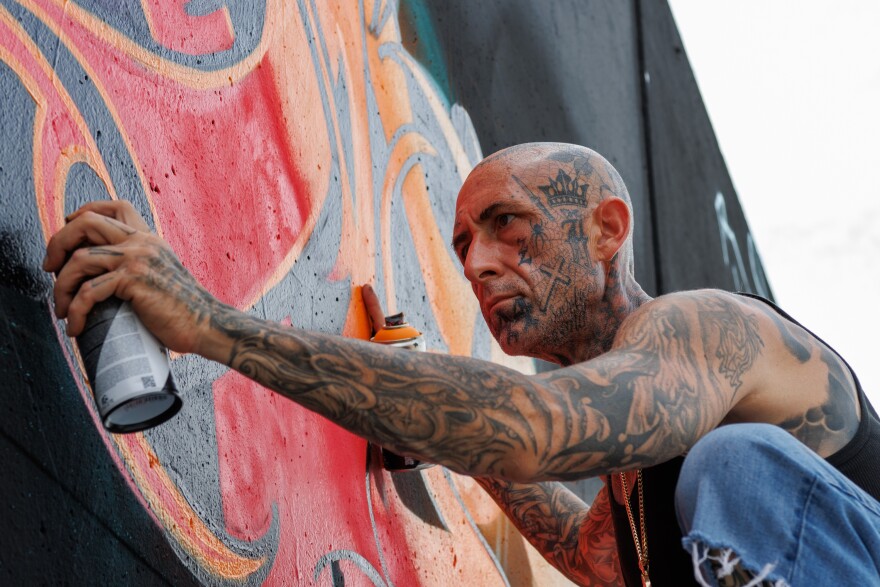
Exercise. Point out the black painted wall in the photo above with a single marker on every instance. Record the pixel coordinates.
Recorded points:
(612, 76)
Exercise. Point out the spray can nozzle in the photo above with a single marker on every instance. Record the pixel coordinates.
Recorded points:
(395, 320)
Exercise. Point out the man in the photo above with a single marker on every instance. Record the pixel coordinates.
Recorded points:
(543, 232)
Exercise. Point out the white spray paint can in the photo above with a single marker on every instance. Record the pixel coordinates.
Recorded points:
(128, 369)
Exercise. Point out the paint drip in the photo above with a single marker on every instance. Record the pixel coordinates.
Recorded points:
(398, 333)
(128, 369)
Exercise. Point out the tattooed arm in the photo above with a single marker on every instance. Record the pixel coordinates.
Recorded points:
(575, 538)
(638, 405)
(670, 377)
(676, 369)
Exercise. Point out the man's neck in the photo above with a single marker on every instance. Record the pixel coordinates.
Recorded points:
(619, 302)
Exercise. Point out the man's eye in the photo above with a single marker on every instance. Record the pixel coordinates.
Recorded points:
(504, 219)
(463, 253)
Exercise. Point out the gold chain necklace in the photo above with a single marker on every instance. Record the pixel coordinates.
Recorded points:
(642, 552)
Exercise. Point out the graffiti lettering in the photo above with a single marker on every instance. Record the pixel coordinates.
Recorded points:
(752, 280)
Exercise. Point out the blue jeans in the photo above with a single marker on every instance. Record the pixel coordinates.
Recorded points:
(752, 495)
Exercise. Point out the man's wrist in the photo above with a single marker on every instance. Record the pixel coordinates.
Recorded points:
(215, 340)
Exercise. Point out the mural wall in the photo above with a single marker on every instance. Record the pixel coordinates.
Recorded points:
(289, 152)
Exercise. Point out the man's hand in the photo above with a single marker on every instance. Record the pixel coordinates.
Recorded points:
(106, 249)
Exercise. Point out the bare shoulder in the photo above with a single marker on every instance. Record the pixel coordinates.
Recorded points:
(769, 368)
(684, 364)
(693, 304)
(719, 332)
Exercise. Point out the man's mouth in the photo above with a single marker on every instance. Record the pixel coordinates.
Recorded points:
(509, 310)
(499, 305)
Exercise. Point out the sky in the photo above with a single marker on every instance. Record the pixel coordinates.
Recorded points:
(793, 91)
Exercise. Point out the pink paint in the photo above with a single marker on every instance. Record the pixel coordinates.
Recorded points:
(174, 28)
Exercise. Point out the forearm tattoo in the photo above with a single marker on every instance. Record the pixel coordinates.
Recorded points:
(472, 416)
(575, 538)
(165, 272)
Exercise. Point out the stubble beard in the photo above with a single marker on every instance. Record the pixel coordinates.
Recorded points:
(511, 326)
(562, 334)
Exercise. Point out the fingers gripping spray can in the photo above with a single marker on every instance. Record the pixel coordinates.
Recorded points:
(398, 333)
(128, 369)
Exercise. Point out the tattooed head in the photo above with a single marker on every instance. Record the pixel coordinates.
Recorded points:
(543, 231)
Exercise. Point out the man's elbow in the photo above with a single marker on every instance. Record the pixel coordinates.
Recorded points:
(519, 469)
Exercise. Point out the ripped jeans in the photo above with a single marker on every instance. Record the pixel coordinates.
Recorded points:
(753, 497)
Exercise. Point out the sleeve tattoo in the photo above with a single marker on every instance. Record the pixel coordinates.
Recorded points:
(638, 405)
(671, 377)
(575, 538)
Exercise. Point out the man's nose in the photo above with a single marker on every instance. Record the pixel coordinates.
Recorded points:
(482, 262)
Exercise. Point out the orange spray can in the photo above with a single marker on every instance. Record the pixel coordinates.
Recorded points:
(398, 333)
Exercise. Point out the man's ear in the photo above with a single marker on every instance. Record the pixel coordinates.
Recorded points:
(611, 220)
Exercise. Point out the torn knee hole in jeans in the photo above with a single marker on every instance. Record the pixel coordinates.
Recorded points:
(727, 569)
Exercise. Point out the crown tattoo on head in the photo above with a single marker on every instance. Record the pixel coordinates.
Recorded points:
(565, 191)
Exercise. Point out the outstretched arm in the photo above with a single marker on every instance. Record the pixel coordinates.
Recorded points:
(642, 403)
(629, 408)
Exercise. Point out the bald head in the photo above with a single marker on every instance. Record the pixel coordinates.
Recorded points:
(568, 178)
(543, 161)
(543, 232)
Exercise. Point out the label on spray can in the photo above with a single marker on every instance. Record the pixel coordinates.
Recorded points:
(398, 333)
(128, 369)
